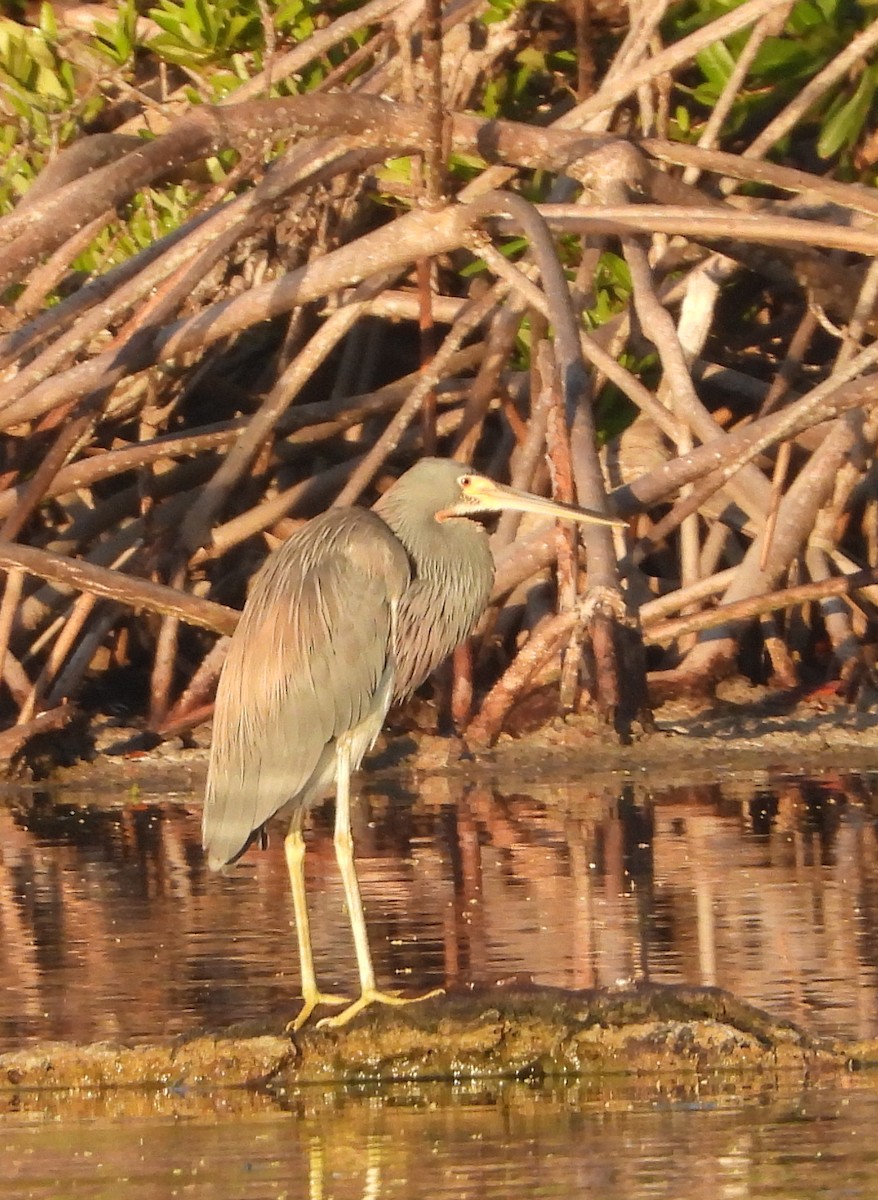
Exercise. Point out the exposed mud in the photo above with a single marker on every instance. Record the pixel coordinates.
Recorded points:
(745, 728)
(682, 1035)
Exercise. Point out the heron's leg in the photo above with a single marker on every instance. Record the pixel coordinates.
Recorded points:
(294, 852)
(344, 853)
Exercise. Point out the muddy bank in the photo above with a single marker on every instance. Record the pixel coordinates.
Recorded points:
(744, 729)
(683, 1036)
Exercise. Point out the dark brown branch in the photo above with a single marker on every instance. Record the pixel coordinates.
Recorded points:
(248, 126)
(136, 593)
(12, 740)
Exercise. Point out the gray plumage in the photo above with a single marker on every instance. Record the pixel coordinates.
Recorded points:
(452, 570)
(353, 611)
(311, 660)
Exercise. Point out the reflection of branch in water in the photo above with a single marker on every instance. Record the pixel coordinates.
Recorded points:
(110, 926)
(95, 892)
(366, 1159)
(548, 866)
(20, 969)
(465, 938)
(773, 896)
(585, 939)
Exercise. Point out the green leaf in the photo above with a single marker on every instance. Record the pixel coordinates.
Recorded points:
(170, 24)
(508, 249)
(705, 94)
(48, 24)
(717, 64)
(805, 16)
(48, 83)
(778, 56)
(843, 127)
(398, 170)
(117, 41)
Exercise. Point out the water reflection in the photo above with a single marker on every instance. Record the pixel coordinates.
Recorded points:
(111, 926)
(488, 1141)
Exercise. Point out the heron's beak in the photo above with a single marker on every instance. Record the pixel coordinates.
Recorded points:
(488, 496)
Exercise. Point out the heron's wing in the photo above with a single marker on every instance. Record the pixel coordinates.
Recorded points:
(310, 661)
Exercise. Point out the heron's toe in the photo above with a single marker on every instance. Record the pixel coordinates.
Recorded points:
(309, 1003)
(373, 997)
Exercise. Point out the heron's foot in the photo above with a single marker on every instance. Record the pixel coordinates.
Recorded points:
(373, 996)
(311, 1001)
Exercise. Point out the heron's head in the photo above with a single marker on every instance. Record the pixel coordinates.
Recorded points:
(444, 490)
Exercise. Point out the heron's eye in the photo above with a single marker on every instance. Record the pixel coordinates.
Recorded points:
(465, 482)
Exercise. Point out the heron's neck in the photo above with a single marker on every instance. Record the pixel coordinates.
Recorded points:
(439, 548)
(452, 575)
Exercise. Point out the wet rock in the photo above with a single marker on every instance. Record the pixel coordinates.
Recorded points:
(544, 1033)
(513, 1032)
(202, 1061)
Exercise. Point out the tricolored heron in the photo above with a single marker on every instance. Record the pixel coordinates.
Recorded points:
(350, 614)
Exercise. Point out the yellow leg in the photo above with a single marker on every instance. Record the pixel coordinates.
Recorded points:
(344, 853)
(294, 852)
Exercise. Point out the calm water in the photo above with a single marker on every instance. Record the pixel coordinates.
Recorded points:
(111, 927)
(510, 1142)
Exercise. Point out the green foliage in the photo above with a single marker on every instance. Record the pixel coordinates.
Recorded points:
(202, 31)
(117, 41)
(53, 82)
(42, 95)
(613, 411)
(31, 69)
(294, 19)
(499, 10)
(612, 287)
(198, 33)
(847, 117)
(512, 248)
(397, 178)
(151, 214)
(541, 75)
(534, 78)
(814, 33)
(19, 171)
